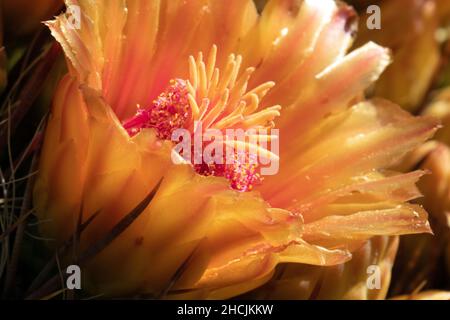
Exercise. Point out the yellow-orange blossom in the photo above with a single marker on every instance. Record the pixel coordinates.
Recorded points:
(333, 191)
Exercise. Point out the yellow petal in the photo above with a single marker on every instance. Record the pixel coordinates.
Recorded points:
(344, 147)
(344, 282)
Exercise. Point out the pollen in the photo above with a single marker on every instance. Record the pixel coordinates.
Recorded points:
(243, 174)
(167, 113)
(217, 99)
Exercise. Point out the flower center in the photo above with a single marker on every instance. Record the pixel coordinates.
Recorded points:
(220, 102)
(170, 111)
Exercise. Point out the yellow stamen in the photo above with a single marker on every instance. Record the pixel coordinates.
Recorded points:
(237, 110)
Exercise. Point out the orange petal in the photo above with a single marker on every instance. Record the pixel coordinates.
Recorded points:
(343, 282)
(334, 231)
(348, 145)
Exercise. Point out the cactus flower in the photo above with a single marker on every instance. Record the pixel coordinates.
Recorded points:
(139, 70)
